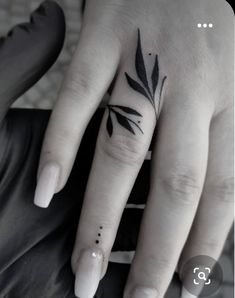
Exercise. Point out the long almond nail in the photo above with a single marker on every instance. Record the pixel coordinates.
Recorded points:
(144, 292)
(88, 274)
(46, 185)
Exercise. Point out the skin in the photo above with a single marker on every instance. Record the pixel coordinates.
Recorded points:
(189, 209)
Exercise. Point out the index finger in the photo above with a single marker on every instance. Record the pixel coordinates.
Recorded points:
(90, 74)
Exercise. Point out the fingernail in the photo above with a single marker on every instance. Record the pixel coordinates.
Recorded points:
(144, 292)
(46, 185)
(88, 273)
(186, 294)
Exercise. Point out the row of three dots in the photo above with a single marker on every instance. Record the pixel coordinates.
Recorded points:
(99, 234)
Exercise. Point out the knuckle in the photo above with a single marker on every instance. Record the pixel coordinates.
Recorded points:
(56, 138)
(79, 86)
(210, 245)
(222, 188)
(183, 185)
(163, 264)
(123, 149)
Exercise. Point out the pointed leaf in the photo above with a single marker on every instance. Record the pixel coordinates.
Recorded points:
(128, 110)
(124, 122)
(109, 125)
(160, 96)
(136, 86)
(155, 75)
(163, 82)
(139, 64)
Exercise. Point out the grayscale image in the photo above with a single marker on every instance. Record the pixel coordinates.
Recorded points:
(116, 149)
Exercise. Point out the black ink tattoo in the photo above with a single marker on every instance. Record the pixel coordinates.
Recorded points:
(122, 115)
(144, 88)
(99, 235)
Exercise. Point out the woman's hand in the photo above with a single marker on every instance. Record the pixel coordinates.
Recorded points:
(168, 72)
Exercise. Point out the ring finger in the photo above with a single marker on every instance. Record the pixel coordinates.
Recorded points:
(215, 212)
(179, 167)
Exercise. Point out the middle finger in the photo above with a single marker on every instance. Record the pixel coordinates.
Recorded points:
(122, 144)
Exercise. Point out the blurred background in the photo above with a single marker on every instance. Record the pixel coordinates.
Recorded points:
(43, 95)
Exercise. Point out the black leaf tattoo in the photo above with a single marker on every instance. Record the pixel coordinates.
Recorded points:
(160, 96)
(137, 87)
(139, 65)
(155, 75)
(127, 110)
(123, 113)
(143, 86)
(123, 119)
(163, 81)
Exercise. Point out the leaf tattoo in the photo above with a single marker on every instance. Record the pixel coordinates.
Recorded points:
(122, 115)
(139, 65)
(155, 75)
(160, 96)
(127, 110)
(122, 120)
(143, 86)
(136, 86)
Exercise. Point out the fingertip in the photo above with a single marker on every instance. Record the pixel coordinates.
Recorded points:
(46, 185)
(88, 271)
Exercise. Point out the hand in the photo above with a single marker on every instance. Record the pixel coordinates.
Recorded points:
(38, 248)
(167, 72)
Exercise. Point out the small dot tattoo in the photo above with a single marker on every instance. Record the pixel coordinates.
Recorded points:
(99, 235)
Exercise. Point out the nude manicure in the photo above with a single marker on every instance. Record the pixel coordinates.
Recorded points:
(46, 185)
(88, 273)
(144, 292)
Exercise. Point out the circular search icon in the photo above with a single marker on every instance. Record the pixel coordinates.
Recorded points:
(201, 276)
